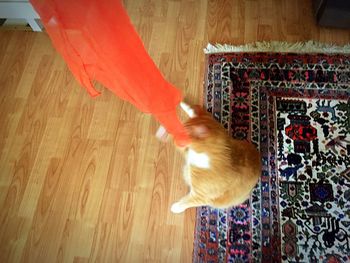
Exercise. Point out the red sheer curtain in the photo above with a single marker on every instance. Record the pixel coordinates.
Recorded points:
(98, 42)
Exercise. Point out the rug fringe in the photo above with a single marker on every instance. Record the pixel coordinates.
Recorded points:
(277, 46)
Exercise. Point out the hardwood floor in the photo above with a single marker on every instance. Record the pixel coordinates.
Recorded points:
(85, 180)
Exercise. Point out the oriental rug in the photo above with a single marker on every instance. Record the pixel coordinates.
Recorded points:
(292, 102)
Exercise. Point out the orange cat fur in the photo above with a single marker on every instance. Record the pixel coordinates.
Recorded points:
(220, 171)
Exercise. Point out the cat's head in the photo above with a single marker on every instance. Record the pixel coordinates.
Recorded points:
(200, 125)
(203, 130)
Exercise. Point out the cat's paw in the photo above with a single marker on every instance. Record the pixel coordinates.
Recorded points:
(162, 134)
(177, 208)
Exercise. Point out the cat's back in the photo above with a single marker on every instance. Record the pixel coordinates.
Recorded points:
(245, 155)
(235, 168)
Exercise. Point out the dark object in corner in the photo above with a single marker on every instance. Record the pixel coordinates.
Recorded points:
(332, 13)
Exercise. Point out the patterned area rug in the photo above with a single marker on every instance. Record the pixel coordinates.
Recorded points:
(295, 108)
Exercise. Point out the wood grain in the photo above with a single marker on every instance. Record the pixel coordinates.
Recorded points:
(84, 180)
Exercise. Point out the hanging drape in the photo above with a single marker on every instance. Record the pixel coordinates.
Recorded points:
(98, 42)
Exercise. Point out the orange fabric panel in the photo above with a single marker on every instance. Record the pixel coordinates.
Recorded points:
(98, 42)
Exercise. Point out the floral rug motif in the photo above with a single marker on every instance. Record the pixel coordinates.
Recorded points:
(296, 109)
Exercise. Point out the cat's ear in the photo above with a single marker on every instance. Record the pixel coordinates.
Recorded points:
(200, 131)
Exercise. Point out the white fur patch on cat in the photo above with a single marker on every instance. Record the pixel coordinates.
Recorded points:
(189, 111)
(201, 160)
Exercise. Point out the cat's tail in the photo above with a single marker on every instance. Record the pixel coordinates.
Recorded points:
(187, 109)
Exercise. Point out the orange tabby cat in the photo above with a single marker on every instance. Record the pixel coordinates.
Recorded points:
(220, 171)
